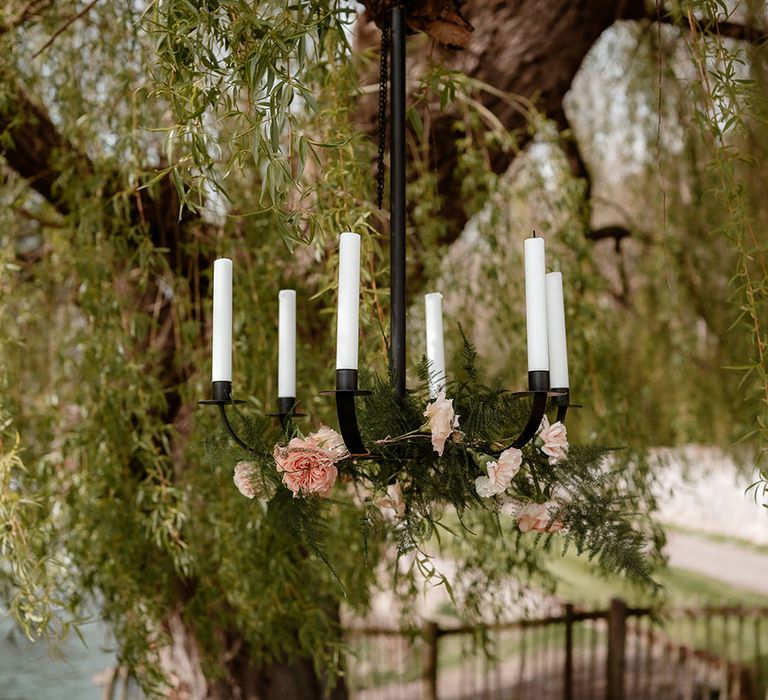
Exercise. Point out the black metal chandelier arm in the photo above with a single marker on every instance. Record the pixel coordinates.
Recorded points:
(346, 411)
(562, 401)
(231, 430)
(347, 415)
(538, 410)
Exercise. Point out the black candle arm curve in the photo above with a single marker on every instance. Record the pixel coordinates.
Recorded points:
(562, 402)
(231, 430)
(538, 409)
(346, 411)
(221, 396)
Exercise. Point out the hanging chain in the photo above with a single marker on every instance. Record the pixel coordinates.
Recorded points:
(383, 74)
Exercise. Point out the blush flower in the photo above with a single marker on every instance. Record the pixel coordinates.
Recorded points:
(306, 467)
(328, 439)
(442, 421)
(537, 517)
(500, 474)
(555, 440)
(247, 480)
(393, 505)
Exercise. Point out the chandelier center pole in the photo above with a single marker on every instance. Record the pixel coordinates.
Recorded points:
(397, 200)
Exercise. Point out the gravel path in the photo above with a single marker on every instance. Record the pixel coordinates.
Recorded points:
(733, 564)
(700, 488)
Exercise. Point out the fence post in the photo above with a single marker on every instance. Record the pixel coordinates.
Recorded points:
(431, 634)
(617, 633)
(568, 674)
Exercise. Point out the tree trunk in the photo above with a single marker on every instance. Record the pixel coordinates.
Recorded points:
(237, 677)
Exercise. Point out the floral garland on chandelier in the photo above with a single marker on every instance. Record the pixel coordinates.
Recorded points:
(431, 453)
(308, 466)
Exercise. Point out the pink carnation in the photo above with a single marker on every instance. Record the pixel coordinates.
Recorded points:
(393, 504)
(500, 474)
(442, 421)
(536, 517)
(246, 479)
(329, 439)
(309, 465)
(555, 439)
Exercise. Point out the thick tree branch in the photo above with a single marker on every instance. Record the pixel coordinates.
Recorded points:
(529, 49)
(639, 10)
(443, 20)
(618, 233)
(33, 146)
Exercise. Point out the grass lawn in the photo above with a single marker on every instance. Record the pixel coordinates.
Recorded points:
(578, 583)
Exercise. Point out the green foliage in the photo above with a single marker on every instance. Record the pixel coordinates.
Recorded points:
(731, 113)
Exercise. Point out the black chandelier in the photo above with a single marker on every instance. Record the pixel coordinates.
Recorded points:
(538, 291)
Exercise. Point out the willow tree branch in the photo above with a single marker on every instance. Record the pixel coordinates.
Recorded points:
(30, 9)
(33, 146)
(64, 26)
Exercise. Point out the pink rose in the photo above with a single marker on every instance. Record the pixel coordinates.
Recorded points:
(442, 421)
(536, 517)
(247, 480)
(393, 502)
(306, 467)
(500, 474)
(555, 439)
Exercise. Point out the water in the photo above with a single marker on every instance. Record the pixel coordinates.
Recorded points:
(29, 672)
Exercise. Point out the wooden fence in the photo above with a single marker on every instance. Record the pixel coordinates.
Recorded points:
(619, 653)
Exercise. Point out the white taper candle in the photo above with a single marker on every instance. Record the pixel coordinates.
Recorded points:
(536, 305)
(349, 301)
(222, 320)
(286, 344)
(558, 348)
(433, 303)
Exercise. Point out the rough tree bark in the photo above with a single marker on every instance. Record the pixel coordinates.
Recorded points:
(522, 47)
(530, 49)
